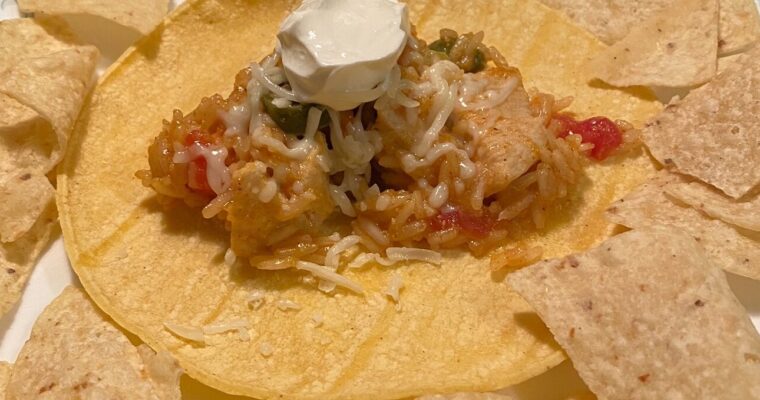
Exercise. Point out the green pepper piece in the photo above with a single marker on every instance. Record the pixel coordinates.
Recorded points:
(291, 119)
(479, 62)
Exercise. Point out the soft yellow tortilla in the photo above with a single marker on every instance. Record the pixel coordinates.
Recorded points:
(460, 329)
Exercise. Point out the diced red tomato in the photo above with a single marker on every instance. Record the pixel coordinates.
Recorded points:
(600, 131)
(477, 226)
(196, 174)
(197, 179)
(198, 137)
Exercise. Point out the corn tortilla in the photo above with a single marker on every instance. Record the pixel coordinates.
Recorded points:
(459, 329)
(647, 315)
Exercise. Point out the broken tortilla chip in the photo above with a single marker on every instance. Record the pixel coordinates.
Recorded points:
(140, 15)
(23, 198)
(612, 20)
(44, 76)
(5, 374)
(75, 352)
(54, 86)
(744, 214)
(712, 134)
(676, 47)
(646, 315)
(732, 248)
(17, 258)
(739, 25)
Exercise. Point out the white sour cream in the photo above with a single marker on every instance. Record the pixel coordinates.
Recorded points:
(338, 52)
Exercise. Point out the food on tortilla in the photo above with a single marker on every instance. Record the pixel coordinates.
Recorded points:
(140, 15)
(152, 267)
(76, 352)
(647, 315)
(712, 134)
(612, 20)
(743, 214)
(39, 61)
(447, 153)
(735, 249)
(675, 47)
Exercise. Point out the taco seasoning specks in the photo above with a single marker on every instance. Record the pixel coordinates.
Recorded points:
(339, 52)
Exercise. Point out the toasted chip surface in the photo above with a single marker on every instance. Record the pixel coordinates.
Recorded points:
(141, 15)
(612, 20)
(739, 25)
(734, 249)
(76, 352)
(5, 373)
(44, 75)
(17, 258)
(676, 46)
(712, 133)
(132, 263)
(646, 315)
(744, 214)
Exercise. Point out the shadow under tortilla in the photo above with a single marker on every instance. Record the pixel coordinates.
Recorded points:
(640, 92)
(746, 290)
(532, 323)
(180, 220)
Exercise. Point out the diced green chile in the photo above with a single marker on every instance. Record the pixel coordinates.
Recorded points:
(291, 119)
(444, 46)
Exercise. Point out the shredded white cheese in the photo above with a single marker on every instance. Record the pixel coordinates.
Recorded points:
(327, 274)
(394, 288)
(409, 254)
(286, 305)
(256, 299)
(332, 259)
(266, 349)
(191, 333)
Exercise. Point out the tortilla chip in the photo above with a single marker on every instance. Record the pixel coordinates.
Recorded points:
(647, 316)
(363, 347)
(612, 20)
(22, 199)
(17, 258)
(5, 374)
(744, 214)
(712, 133)
(75, 352)
(739, 25)
(609, 20)
(734, 249)
(54, 86)
(675, 47)
(140, 15)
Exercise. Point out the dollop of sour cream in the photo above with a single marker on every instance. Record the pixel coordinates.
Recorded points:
(338, 52)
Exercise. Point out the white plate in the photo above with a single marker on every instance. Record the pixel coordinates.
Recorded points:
(53, 271)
